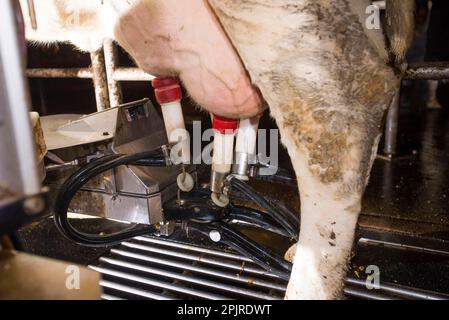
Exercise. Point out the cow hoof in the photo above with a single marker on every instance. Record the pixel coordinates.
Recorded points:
(290, 254)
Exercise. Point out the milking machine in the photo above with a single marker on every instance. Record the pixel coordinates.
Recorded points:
(143, 176)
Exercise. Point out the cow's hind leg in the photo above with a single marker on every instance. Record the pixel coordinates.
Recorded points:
(328, 88)
(332, 163)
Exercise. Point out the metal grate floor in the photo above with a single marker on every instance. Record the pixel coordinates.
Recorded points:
(155, 268)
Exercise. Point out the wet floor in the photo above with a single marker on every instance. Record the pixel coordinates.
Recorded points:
(413, 189)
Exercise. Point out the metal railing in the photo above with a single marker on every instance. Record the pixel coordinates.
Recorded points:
(105, 73)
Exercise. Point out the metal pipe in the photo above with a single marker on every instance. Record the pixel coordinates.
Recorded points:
(364, 294)
(100, 80)
(201, 270)
(132, 74)
(401, 246)
(239, 267)
(79, 73)
(189, 279)
(193, 248)
(428, 71)
(130, 290)
(400, 291)
(110, 297)
(32, 14)
(391, 128)
(111, 63)
(119, 74)
(158, 284)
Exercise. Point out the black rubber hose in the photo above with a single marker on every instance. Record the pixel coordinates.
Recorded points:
(287, 219)
(236, 236)
(75, 182)
(260, 255)
(282, 177)
(255, 219)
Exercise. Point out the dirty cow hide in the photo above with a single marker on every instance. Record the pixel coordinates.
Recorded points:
(328, 86)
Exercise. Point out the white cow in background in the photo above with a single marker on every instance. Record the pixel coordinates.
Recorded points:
(325, 77)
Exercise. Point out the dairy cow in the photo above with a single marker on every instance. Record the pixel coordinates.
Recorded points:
(327, 78)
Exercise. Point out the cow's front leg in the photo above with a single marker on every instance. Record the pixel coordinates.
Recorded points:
(328, 88)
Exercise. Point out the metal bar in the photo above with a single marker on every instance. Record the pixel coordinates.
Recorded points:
(366, 241)
(193, 248)
(110, 297)
(391, 128)
(80, 73)
(202, 270)
(120, 74)
(364, 294)
(130, 290)
(32, 14)
(239, 267)
(111, 63)
(400, 291)
(131, 74)
(189, 279)
(100, 80)
(158, 284)
(428, 71)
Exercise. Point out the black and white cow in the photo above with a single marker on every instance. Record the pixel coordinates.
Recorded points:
(327, 78)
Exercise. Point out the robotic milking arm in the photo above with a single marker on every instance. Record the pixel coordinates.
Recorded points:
(211, 210)
(230, 169)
